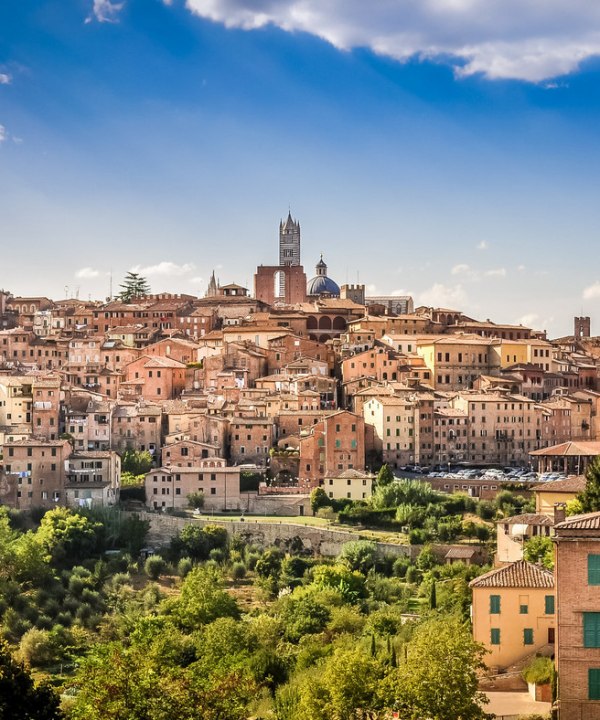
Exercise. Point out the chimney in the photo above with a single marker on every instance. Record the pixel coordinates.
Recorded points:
(560, 513)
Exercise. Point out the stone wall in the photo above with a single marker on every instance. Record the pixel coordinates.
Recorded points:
(319, 541)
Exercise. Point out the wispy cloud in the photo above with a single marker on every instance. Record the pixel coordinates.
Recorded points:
(440, 295)
(496, 272)
(592, 292)
(87, 273)
(529, 320)
(105, 11)
(461, 269)
(3, 134)
(523, 39)
(164, 269)
(5, 79)
(483, 245)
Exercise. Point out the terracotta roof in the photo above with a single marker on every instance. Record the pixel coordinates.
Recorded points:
(567, 485)
(461, 553)
(589, 521)
(520, 574)
(567, 449)
(527, 519)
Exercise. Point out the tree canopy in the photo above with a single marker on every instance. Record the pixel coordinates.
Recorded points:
(133, 286)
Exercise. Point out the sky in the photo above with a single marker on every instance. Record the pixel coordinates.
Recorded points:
(449, 149)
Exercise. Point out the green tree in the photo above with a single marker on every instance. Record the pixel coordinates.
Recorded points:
(319, 499)
(539, 549)
(302, 613)
(68, 537)
(433, 596)
(359, 555)
(133, 286)
(136, 462)
(385, 476)
(346, 687)
(202, 599)
(20, 697)
(439, 679)
(590, 497)
(196, 500)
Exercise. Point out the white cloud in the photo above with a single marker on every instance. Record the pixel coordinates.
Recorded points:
(520, 268)
(5, 79)
(3, 134)
(165, 269)
(523, 39)
(87, 273)
(401, 293)
(592, 292)
(440, 295)
(372, 289)
(482, 245)
(460, 269)
(196, 280)
(105, 11)
(497, 272)
(529, 320)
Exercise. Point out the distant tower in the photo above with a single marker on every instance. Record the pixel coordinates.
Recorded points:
(289, 246)
(213, 287)
(582, 327)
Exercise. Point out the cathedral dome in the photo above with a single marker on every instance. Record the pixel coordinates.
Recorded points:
(321, 284)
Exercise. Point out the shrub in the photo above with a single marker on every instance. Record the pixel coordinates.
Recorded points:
(217, 554)
(154, 567)
(238, 571)
(538, 671)
(184, 566)
(37, 648)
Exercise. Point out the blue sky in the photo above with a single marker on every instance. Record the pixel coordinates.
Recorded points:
(448, 148)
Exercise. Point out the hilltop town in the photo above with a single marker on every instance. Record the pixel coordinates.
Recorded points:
(332, 381)
(459, 445)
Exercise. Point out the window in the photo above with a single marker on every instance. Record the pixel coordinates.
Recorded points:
(594, 684)
(527, 636)
(591, 630)
(593, 569)
(523, 609)
(495, 636)
(494, 604)
(549, 604)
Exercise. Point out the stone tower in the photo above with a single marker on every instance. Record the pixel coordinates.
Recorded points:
(213, 286)
(289, 246)
(582, 327)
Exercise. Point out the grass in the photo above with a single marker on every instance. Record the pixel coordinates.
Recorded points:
(278, 519)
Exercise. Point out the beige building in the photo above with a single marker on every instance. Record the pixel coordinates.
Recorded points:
(513, 532)
(169, 487)
(549, 494)
(395, 422)
(349, 484)
(93, 479)
(38, 467)
(513, 612)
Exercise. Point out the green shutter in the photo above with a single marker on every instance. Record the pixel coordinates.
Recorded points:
(594, 684)
(549, 604)
(494, 604)
(593, 569)
(591, 630)
(527, 636)
(495, 636)
(523, 609)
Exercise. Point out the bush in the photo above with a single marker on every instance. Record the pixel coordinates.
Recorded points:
(538, 671)
(218, 555)
(196, 500)
(238, 571)
(184, 566)
(154, 567)
(37, 648)
(418, 537)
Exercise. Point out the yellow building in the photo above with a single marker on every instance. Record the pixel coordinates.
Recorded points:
(513, 612)
(557, 491)
(456, 361)
(351, 484)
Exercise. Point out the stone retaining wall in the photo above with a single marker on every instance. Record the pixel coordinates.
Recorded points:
(320, 541)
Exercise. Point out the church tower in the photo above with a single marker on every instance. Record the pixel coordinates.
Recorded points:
(289, 247)
(289, 242)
